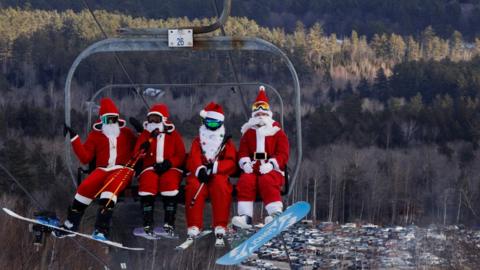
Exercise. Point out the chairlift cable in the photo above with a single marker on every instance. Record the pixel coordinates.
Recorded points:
(42, 207)
(232, 66)
(117, 57)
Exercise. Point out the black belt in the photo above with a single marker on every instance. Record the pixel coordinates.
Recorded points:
(260, 156)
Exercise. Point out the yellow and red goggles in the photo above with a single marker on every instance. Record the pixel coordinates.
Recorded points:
(260, 105)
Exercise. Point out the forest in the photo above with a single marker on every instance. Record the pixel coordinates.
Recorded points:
(391, 120)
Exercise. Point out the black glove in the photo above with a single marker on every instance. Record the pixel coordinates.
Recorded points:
(160, 168)
(136, 124)
(69, 130)
(145, 145)
(209, 167)
(203, 176)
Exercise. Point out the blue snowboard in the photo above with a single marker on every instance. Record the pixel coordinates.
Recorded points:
(292, 215)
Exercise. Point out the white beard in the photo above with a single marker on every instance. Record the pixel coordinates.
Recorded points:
(262, 124)
(152, 126)
(210, 141)
(111, 130)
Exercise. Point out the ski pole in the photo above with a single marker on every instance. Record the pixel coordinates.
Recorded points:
(192, 203)
(131, 163)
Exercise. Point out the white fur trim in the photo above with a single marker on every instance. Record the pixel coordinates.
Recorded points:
(170, 193)
(157, 113)
(243, 160)
(260, 142)
(146, 169)
(275, 163)
(220, 230)
(215, 167)
(144, 193)
(160, 147)
(274, 207)
(215, 115)
(198, 169)
(74, 138)
(245, 208)
(83, 199)
(115, 167)
(203, 114)
(110, 114)
(108, 195)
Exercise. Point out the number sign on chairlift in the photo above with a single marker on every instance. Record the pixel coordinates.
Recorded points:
(180, 38)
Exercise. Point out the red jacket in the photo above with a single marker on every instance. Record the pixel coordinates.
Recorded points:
(276, 147)
(225, 164)
(173, 149)
(98, 146)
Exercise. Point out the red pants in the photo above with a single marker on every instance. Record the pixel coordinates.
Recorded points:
(269, 186)
(219, 190)
(96, 181)
(167, 184)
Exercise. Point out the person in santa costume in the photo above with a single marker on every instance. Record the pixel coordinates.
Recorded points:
(161, 171)
(211, 160)
(263, 155)
(110, 144)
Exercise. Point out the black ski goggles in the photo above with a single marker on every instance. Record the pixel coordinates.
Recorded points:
(109, 119)
(212, 123)
(153, 118)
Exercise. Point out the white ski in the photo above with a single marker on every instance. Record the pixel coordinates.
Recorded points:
(190, 241)
(110, 243)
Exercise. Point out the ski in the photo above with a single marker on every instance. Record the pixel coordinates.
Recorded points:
(158, 233)
(292, 215)
(140, 232)
(46, 224)
(190, 241)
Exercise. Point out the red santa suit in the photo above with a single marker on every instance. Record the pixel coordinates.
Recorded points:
(263, 155)
(168, 145)
(111, 149)
(204, 150)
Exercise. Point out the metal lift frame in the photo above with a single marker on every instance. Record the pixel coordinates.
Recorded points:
(160, 43)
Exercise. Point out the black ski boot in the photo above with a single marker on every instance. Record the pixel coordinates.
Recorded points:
(102, 225)
(148, 207)
(170, 207)
(75, 214)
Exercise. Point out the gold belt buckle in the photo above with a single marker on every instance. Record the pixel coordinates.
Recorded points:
(259, 156)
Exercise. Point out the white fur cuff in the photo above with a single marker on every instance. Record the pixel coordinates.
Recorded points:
(198, 169)
(274, 207)
(215, 167)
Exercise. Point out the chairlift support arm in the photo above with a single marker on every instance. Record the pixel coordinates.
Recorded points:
(227, 6)
(200, 44)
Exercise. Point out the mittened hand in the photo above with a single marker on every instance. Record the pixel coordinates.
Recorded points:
(144, 146)
(266, 168)
(248, 167)
(203, 175)
(160, 168)
(69, 130)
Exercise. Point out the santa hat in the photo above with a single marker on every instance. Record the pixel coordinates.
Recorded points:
(262, 99)
(214, 111)
(107, 107)
(160, 110)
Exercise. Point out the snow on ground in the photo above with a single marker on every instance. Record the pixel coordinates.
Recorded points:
(351, 246)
